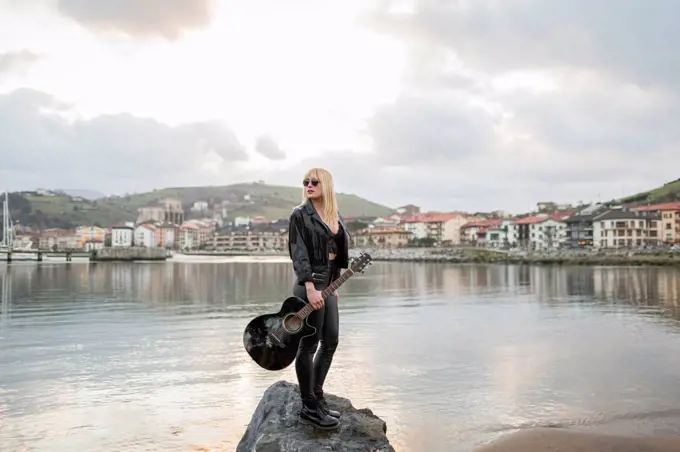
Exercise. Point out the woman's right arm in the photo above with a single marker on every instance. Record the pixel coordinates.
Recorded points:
(300, 257)
(298, 250)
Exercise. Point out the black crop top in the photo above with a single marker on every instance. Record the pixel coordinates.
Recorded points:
(335, 240)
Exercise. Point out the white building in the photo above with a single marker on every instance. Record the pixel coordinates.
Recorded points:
(122, 235)
(189, 236)
(392, 220)
(242, 221)
(622, 228)
(200, 206)
(501, 233)
(145, 235)
(541, 232)
(416, 226)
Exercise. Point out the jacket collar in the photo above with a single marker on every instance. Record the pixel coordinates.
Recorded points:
(310, 210)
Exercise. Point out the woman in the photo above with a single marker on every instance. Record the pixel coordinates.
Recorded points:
(318, 245)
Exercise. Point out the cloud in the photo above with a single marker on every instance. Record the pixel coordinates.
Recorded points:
(631, 38)
(165, 18)
(108, 152)
(522, 99)
(267, 147)
(427, 130)
(10, 61)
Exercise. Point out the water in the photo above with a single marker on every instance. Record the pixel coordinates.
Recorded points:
(142, 357)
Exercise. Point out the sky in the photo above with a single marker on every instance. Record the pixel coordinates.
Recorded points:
(447, 104)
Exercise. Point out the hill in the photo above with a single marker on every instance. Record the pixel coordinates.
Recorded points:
(270, 201)
(89, 194)
(669, 192)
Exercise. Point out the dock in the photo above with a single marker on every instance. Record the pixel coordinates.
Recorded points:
(38, 255)
(114, 254)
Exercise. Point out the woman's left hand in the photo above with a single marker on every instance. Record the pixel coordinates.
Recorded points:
(337, 295)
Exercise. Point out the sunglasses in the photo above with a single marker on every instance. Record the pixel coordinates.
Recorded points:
(306, 182)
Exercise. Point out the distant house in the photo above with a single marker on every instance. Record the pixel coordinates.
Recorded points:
(382, 237)
(407, 211)
(623, 228)
(579, 231)
(122, 235)
(669, 216)
(540, 232)
(145, 235)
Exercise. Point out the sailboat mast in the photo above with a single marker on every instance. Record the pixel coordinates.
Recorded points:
(6, 238)
(4, 222)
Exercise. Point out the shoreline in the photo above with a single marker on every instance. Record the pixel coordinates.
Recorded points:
(557, 439)
(484, 256)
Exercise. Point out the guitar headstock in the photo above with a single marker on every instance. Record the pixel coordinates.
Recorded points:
(360, 263)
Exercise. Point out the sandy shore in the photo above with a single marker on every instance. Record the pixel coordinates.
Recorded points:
(560, 440)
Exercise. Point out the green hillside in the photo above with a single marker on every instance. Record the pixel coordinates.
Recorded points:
(669, 192)
(271, 201)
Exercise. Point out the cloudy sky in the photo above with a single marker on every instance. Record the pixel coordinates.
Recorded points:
(449, 104)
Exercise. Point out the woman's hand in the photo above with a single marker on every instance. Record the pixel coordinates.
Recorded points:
(337, 296)
(315, 298)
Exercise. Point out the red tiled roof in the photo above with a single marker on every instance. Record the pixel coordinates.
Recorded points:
(482, 224)
(121, 226)
(433, 217)
(534, 219)
(664, 206)
(384, 230)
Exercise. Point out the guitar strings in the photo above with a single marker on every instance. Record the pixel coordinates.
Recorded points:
(334, 285)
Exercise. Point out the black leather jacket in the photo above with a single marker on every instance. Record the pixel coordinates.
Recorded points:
(308, 238)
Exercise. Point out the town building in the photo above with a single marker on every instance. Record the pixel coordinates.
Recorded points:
(474, 232)
(539, 232)
(626, 228)
(165, 235)
(392, 220)
(206, 231)
(407, 211)
(58, 239)
(90, 234)
(381, 237)
(444, 228)
(200, 207)
(167, 210)
(500, 234)
(416, 226)
(122, 235)
(579, 226)
(188, 235)
(669, 217)
(441, 228)
(145, 235)
(272, 236)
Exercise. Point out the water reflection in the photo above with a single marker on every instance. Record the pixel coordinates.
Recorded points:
(149, 356)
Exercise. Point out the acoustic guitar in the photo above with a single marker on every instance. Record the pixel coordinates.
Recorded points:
(272, 340)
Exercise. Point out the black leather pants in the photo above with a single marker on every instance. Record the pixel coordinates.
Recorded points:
(312, 370)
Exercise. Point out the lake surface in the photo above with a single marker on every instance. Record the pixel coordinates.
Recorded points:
(149, 356)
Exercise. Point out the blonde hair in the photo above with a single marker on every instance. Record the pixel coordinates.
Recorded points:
(329, 210)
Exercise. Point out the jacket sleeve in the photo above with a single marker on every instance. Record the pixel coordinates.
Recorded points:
(298, 250)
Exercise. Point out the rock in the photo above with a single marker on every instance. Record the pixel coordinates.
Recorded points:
(274, 426)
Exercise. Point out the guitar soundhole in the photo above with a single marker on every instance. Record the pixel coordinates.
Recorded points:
(292, 323)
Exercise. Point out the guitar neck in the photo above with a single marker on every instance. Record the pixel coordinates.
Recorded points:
(304, 312)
